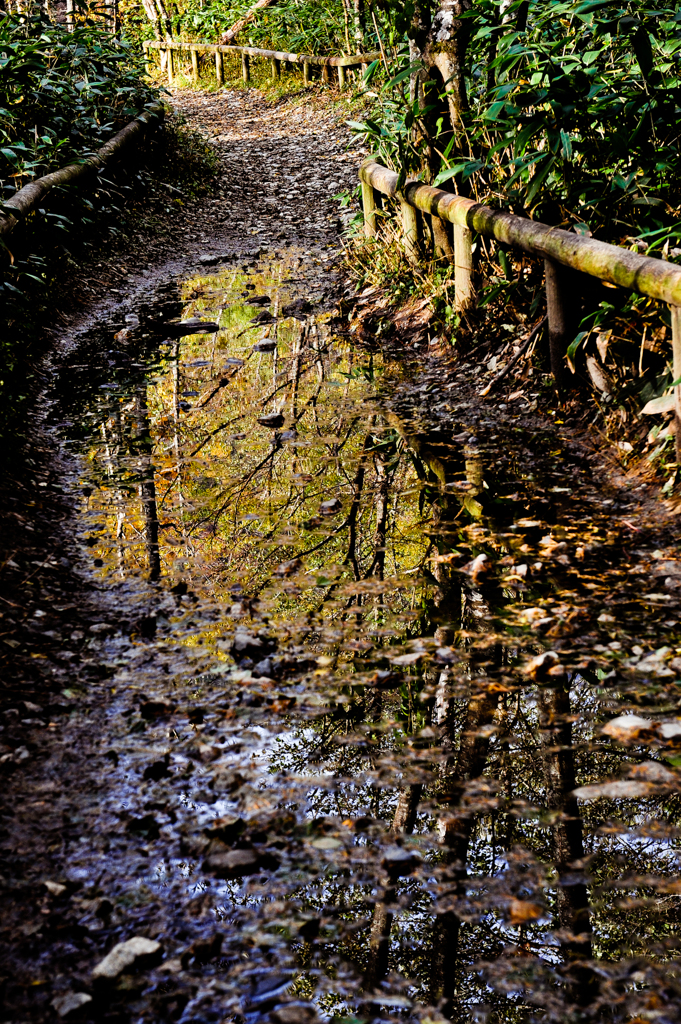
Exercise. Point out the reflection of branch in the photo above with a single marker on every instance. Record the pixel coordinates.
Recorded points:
(217, 430)
(244, 484)
(334, 533)
(236, 419)
(358, 485)
(572, 898)
(381, 923)
(224, 381)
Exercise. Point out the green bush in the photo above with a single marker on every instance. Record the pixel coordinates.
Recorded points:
(296, 25)
(63, 94)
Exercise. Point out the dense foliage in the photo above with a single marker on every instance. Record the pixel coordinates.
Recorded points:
(572, 116)
(296, 25)
(63, 94)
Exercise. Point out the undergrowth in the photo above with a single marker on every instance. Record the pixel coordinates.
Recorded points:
(63, 94)
(63, 241)
(630, 333)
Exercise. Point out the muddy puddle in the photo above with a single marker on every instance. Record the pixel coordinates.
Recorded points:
(394, 728)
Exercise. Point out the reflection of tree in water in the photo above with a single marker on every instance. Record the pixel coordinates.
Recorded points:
(442, 853)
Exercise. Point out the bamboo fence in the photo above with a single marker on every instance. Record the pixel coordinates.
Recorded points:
(25, 201)
(566, 256)
(274, 56)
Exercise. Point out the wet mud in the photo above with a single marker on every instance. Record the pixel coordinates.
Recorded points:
(364, 700)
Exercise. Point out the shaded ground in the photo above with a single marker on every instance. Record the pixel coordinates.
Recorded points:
(308, 651)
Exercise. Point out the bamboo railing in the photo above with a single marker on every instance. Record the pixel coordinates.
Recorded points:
(566, 256)
(23, 202)
(274, 56)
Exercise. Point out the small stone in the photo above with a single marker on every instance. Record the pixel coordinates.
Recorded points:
(70, 1002)
(99, 628)
(55, 888)
(273, 420)
(239, 863)
(125, 955)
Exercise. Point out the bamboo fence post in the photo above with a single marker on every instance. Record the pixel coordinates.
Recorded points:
(195, 66)
(369, 207)
(276, 69)
(464, 296)
(219, 69)
(246, 68)
(676, 370)
(410, 230)
(306, 72)
(442, 245)
(341, 77)
(325, 74)
(562, 311)
(150, 60)
(170, 64)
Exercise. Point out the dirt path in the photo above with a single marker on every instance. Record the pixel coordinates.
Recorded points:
(292, 628)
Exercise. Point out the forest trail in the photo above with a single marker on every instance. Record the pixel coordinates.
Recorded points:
(301, 631)
(281, 164)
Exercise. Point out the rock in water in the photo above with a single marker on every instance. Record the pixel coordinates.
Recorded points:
(185, 327)
(125, 955)
(274, 420)
(70, 1002)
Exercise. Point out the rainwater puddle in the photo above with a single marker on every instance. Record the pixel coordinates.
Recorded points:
(395, 693)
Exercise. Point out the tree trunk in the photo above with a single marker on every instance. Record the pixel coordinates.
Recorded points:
(446, 50)
(230, 35)
(358, 24)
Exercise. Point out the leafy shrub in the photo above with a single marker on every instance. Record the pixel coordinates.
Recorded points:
(63, 94)
(295, 25)
(573, 119)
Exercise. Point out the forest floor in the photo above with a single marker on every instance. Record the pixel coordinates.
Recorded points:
(102, 744)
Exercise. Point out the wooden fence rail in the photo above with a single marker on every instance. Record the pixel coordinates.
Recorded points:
(25, 201)
(274, 56)
(566, 256)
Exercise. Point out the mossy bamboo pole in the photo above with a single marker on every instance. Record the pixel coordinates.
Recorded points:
(443, 247)
(341, 77)
(246, 68)
(369, 207)
(306, 72)
(349, 61)
(464, 293)
(326, 77)
(410, 230)
(276, 69)
(219, 69)
(195, 66)
(562, 308)
(27, 199)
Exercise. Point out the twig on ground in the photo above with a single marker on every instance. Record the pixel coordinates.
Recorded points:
(512, 362)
